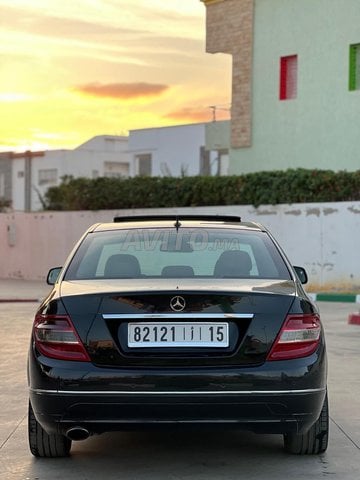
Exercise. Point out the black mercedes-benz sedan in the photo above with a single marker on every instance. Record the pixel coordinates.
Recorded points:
(177, 320)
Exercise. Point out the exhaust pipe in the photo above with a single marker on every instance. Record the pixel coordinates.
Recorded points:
(78, 433)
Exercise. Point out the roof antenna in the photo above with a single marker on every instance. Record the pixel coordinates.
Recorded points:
(177, 224)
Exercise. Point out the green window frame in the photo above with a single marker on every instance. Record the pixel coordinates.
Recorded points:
(354, 67)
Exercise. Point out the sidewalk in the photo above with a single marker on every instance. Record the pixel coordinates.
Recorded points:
(18, 290)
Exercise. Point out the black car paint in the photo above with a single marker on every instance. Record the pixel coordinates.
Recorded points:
(119, 389)
(91, 395)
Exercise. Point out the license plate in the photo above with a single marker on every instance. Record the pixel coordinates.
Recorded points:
(186, 334)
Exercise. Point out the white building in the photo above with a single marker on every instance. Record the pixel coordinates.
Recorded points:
(296, 82)
(165, 151)
(174, 151)
(25, 177)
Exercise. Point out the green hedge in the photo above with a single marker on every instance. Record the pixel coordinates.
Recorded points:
(290, 186)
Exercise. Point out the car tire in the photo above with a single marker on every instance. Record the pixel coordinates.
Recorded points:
(43, 444)
(315, 440)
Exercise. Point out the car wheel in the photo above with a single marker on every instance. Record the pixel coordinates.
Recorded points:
(315, 440)
(43, 444)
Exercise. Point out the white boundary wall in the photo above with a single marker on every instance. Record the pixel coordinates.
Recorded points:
(322, 237)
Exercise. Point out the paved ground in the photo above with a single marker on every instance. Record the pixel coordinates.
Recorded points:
(179, 456)
(24, 290)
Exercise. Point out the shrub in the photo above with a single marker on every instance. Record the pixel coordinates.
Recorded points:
(289, 186)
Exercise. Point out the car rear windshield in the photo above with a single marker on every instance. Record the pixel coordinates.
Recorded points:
(186, 253)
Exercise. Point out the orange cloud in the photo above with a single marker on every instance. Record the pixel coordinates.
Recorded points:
(190, 115)
(200, 114)
(122, 90)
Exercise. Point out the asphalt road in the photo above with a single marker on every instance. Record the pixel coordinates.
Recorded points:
(178, 455)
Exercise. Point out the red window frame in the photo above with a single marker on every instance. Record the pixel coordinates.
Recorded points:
(288, 77)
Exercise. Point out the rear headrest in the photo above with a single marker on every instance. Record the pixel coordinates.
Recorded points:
(122, 266)
(233, 263)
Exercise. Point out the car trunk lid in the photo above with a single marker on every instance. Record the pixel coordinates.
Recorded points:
(252, 311)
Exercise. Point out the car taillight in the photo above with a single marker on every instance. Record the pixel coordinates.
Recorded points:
(56, 337)
(298, 337)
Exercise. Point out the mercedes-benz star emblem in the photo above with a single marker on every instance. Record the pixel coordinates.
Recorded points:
(177, 304)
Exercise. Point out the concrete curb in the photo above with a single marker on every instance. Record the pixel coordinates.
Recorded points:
(354, 319)
(335, 297)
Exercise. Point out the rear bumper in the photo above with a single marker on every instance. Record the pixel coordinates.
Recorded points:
(259, 411)
(275, 397)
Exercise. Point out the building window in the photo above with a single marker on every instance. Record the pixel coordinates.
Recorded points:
(116, 169)
(144, 164)
(354, 72)
(288, 77)
(48, 176)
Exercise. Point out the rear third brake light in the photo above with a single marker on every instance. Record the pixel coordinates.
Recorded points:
(299, 337)
(56, 337)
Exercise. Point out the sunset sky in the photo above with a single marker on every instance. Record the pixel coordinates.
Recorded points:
(72, 69)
